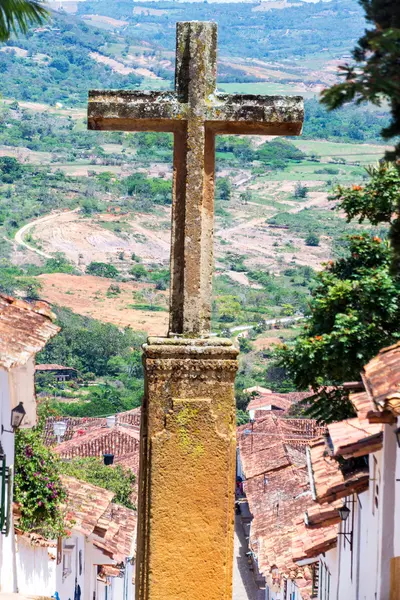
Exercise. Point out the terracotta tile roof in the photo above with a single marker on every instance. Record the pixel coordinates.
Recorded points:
(279, 401)
(117, 440)
(277, 491)
(272, 400)
(331, 480)
(53, 367)
(299, 432)
(381, 377)
(80, 425)
(109, 571)
(275, 501)
(86, 503)
(366, 409)
(309, 543)
(129, 461)
(272, 442)
(74, 425)
(322, 516)
(24, 330)
(355, 437)
(261, 447)
(256, 389)
(131, 417)
(115, 532)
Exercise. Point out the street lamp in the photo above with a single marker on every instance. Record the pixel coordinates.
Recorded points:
(59, 428)
(344, 513)
(17, 415)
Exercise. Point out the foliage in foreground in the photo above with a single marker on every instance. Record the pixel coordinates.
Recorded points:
(355, 308)
(94, 471)
(18, 15)
(355, 311)
(37, 485)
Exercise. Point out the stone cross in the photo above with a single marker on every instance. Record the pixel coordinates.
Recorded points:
(195, 112)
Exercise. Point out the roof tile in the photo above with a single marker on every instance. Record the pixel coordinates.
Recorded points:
(24, 330)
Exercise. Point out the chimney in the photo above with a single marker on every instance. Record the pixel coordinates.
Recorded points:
(108, 459)
(111, 421)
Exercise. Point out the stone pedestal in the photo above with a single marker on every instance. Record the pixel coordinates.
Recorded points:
(187, 471)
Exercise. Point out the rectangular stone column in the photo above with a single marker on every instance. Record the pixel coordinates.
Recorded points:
(187, 471)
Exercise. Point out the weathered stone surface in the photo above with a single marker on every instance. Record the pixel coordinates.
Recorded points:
(187, 471)
(195, 112)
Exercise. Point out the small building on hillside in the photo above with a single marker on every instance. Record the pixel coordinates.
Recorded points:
(24, 330)
(95, 561)
(60, 372)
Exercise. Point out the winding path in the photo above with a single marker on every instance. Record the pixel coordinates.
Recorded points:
(19, 236)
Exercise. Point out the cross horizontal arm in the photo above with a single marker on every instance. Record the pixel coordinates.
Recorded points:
(135, 111)
(222, 113)
(255, 115)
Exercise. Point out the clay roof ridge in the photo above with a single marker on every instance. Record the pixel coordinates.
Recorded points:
(24, 330)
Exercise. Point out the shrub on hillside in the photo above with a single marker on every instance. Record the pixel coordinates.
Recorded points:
(312, 240)
(102, 270)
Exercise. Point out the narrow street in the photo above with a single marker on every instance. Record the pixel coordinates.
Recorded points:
(244, 587)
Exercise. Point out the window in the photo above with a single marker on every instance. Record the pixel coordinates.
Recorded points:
(324, 582)
(315, 579)
(67, 560)
(376, 484)
(6, 490)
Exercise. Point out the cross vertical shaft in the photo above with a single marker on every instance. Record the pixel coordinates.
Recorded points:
(193, 190)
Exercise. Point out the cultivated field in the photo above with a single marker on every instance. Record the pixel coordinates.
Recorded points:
(87, 295)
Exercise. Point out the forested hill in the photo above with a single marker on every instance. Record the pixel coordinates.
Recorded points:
(121, 44)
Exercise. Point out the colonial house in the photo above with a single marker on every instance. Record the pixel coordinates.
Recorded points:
(95, 561)
(272, 490)
(116, 442)
(59, 372)
(264, 401)
(351, 536)
(75, 426)
(24, 330)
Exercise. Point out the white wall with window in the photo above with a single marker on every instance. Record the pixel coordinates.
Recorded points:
(16, 385)
(359, 567)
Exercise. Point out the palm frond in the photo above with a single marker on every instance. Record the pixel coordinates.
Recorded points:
(17, 15)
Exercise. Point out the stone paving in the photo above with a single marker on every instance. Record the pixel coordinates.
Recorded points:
(244, 587)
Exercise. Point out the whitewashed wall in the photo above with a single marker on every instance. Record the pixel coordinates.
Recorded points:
(396, 544)
(7, 544)
(363, 573)
(36, 570)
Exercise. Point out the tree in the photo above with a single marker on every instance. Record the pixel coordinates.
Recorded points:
(300, 190)
(375, 78)
(37, 486)
(138, 272)
(94, 471)
(102, 269)
(18, 15)
(312, 240)
(355, 311)
(375, 74)
(223, 188)
(376, 201)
